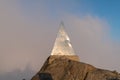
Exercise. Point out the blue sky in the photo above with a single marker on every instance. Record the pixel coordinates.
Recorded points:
(108, 10)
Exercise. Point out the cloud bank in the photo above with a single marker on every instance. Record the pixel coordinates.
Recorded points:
(26, 40)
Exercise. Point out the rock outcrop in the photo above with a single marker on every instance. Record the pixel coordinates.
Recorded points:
(64, 68)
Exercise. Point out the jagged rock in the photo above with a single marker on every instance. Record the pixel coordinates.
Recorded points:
(61, 68)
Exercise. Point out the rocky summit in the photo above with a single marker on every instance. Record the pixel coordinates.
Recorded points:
(64, 68)
(63, 64)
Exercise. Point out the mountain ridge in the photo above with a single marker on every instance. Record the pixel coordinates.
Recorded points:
(59, 68)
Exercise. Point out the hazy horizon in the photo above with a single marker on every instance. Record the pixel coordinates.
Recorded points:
(28, 30)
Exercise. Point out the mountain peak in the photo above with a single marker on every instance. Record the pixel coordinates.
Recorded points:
(63, 64)
(62, 68)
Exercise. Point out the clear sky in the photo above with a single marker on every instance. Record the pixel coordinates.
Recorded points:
(28, 30)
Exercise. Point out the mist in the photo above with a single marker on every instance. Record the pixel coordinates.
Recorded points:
(26, 40)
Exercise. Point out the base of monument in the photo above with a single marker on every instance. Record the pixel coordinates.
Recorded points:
(67, 57)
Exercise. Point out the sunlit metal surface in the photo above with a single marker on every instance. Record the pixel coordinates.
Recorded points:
(62, 44)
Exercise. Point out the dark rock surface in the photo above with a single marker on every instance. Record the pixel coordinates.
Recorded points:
(61, 68)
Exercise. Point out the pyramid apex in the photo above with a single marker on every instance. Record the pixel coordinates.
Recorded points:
(62, 23)
(62, 26)
(62, 45)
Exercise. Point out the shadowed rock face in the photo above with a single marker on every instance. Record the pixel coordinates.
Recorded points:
(66, 69)
(45, 76)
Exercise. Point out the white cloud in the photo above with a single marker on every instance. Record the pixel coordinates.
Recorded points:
(24, 42)
(92, 42)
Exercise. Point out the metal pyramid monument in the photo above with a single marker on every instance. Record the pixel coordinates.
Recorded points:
(62, 44)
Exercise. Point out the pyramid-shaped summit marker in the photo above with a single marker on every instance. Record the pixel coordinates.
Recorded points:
(62, 44)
